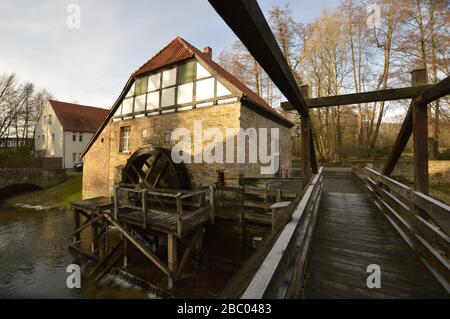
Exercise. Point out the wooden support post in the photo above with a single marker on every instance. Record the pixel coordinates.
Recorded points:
(125, 248)
(116, 201)
(212, 202)
(420, 134)
(305, 142)
(144, 209)
(172, 253)
(77, 222)
(106, 237)
(241, 204)
(94, 234)
(305, 137)
(179, 202)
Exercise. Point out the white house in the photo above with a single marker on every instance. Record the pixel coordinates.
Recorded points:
(64, 129)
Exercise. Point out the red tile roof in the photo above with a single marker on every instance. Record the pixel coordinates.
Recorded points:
(78, 118)
(179, 50)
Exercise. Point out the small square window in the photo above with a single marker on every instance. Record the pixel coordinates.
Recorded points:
(53, 138)
(80, 137)
(169, 77)
(153, 100)
(154, 82)
(144, 132)
(141, 85)
(185, 72)
(168, 97)
(74, 137)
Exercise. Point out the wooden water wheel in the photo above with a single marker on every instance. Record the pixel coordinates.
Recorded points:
(153, 168)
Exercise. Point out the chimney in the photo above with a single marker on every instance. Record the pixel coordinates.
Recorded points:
(208, 52)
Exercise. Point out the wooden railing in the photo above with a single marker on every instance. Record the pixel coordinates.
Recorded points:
(282, 271)
(423, 222)
(180, 199)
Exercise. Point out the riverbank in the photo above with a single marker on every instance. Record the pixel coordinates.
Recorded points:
(58, 196)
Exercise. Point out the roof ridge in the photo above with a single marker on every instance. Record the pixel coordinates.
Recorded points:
(178, 38)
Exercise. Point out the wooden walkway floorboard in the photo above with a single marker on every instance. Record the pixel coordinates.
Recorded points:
(352, 234)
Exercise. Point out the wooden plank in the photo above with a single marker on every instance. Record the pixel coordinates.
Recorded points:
(306, 150)
(436, 91)
(420, 134)
(363, 97)
(247, 21)
(139, 246)
(400, 142)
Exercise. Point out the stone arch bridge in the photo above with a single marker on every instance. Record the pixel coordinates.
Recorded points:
(37, 177)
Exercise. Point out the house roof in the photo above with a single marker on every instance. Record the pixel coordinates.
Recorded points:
(179, 50)
(78, 118)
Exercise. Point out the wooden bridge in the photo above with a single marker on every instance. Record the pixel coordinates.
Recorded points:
(334, 234)
(339, 231)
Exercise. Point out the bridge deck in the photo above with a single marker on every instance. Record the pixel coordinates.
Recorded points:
(352, 234)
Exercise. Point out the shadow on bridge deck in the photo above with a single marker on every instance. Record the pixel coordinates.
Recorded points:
(352, 234)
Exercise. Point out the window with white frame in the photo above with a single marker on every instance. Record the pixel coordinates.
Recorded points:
(124, 139)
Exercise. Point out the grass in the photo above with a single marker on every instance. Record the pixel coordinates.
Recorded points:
(57, 196)
(441, 192)
(70, 190)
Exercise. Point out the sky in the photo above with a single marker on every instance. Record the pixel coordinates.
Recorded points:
(91, 64)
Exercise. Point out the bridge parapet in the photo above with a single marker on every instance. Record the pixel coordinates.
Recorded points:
(39, 177)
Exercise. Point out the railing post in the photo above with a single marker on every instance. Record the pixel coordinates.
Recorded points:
(116, 201)
(179, 212)
(212, 202)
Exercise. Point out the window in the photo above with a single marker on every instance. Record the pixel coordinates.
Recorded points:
(80, 137)
(49, 119)
(53, 138)
(205, 89)
(124, 139)
(74, 137)
(169, 77)
(185, 72)
(141, 85)
(74, 157)
(144, 132)
(43, 138)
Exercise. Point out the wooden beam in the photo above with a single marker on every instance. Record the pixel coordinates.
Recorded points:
(306, 150)
(247, 21)
(418, 79)
(420, 134)
(435, 92)
(364, 97)
(400, 142)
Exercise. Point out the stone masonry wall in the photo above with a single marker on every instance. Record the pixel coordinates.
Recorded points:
(102, 171)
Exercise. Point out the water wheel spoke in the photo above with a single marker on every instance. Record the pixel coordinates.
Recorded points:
(152, 166)
(161, 172)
